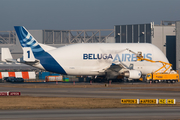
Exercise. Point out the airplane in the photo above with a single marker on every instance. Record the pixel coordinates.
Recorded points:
(91, 59)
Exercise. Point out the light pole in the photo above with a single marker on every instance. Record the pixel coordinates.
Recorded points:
(142, 34)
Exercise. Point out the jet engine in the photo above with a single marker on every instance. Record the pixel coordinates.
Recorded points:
(132, 74)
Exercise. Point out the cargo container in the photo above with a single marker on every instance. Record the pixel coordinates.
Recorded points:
(42, 75)
(66, 79)
(54, 78)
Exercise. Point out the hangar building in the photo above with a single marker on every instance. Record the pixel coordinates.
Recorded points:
(164, 36)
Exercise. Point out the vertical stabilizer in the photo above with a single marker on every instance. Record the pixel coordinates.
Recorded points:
(6, 55)
(27, 40)
(35, 52)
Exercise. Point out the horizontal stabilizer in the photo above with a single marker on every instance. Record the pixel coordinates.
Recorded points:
(6, 55)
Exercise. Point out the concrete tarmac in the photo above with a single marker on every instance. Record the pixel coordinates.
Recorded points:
(93, 114)
(101, 114)
(105, 92)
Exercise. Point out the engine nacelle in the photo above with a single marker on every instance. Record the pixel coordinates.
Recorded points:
(132, 74)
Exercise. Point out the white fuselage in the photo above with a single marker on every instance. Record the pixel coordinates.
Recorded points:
(91, 58)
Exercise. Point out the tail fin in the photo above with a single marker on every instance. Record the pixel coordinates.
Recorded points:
(40, 52)
(27, 40)
(6, 55)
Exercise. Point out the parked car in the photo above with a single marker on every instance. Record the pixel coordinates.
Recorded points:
(9, 79)
(17, 80)
(5, 78)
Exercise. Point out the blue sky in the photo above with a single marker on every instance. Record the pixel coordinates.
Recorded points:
(84, 14)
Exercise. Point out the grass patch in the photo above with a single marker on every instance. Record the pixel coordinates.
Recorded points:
(27, 102)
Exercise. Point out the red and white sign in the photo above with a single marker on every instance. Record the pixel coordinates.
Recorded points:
(3, 93)
(7, 93)
(14, 93)
(24, 75)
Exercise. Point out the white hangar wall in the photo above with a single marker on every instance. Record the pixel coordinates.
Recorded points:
(159, 34)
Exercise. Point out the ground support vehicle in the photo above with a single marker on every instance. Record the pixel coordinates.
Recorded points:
(17, 80)
(163, 77)
(157, 76)
(9, 79)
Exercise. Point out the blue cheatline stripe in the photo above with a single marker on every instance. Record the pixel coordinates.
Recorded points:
(46, 60)
(49, 63)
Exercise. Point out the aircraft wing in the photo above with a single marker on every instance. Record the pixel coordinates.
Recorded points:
(113, 70)
(116, 69)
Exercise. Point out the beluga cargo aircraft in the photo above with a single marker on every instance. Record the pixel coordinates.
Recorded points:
(92, 59)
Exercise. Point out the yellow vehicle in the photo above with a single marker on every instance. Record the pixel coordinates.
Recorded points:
(163, 77)
(156, 76)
